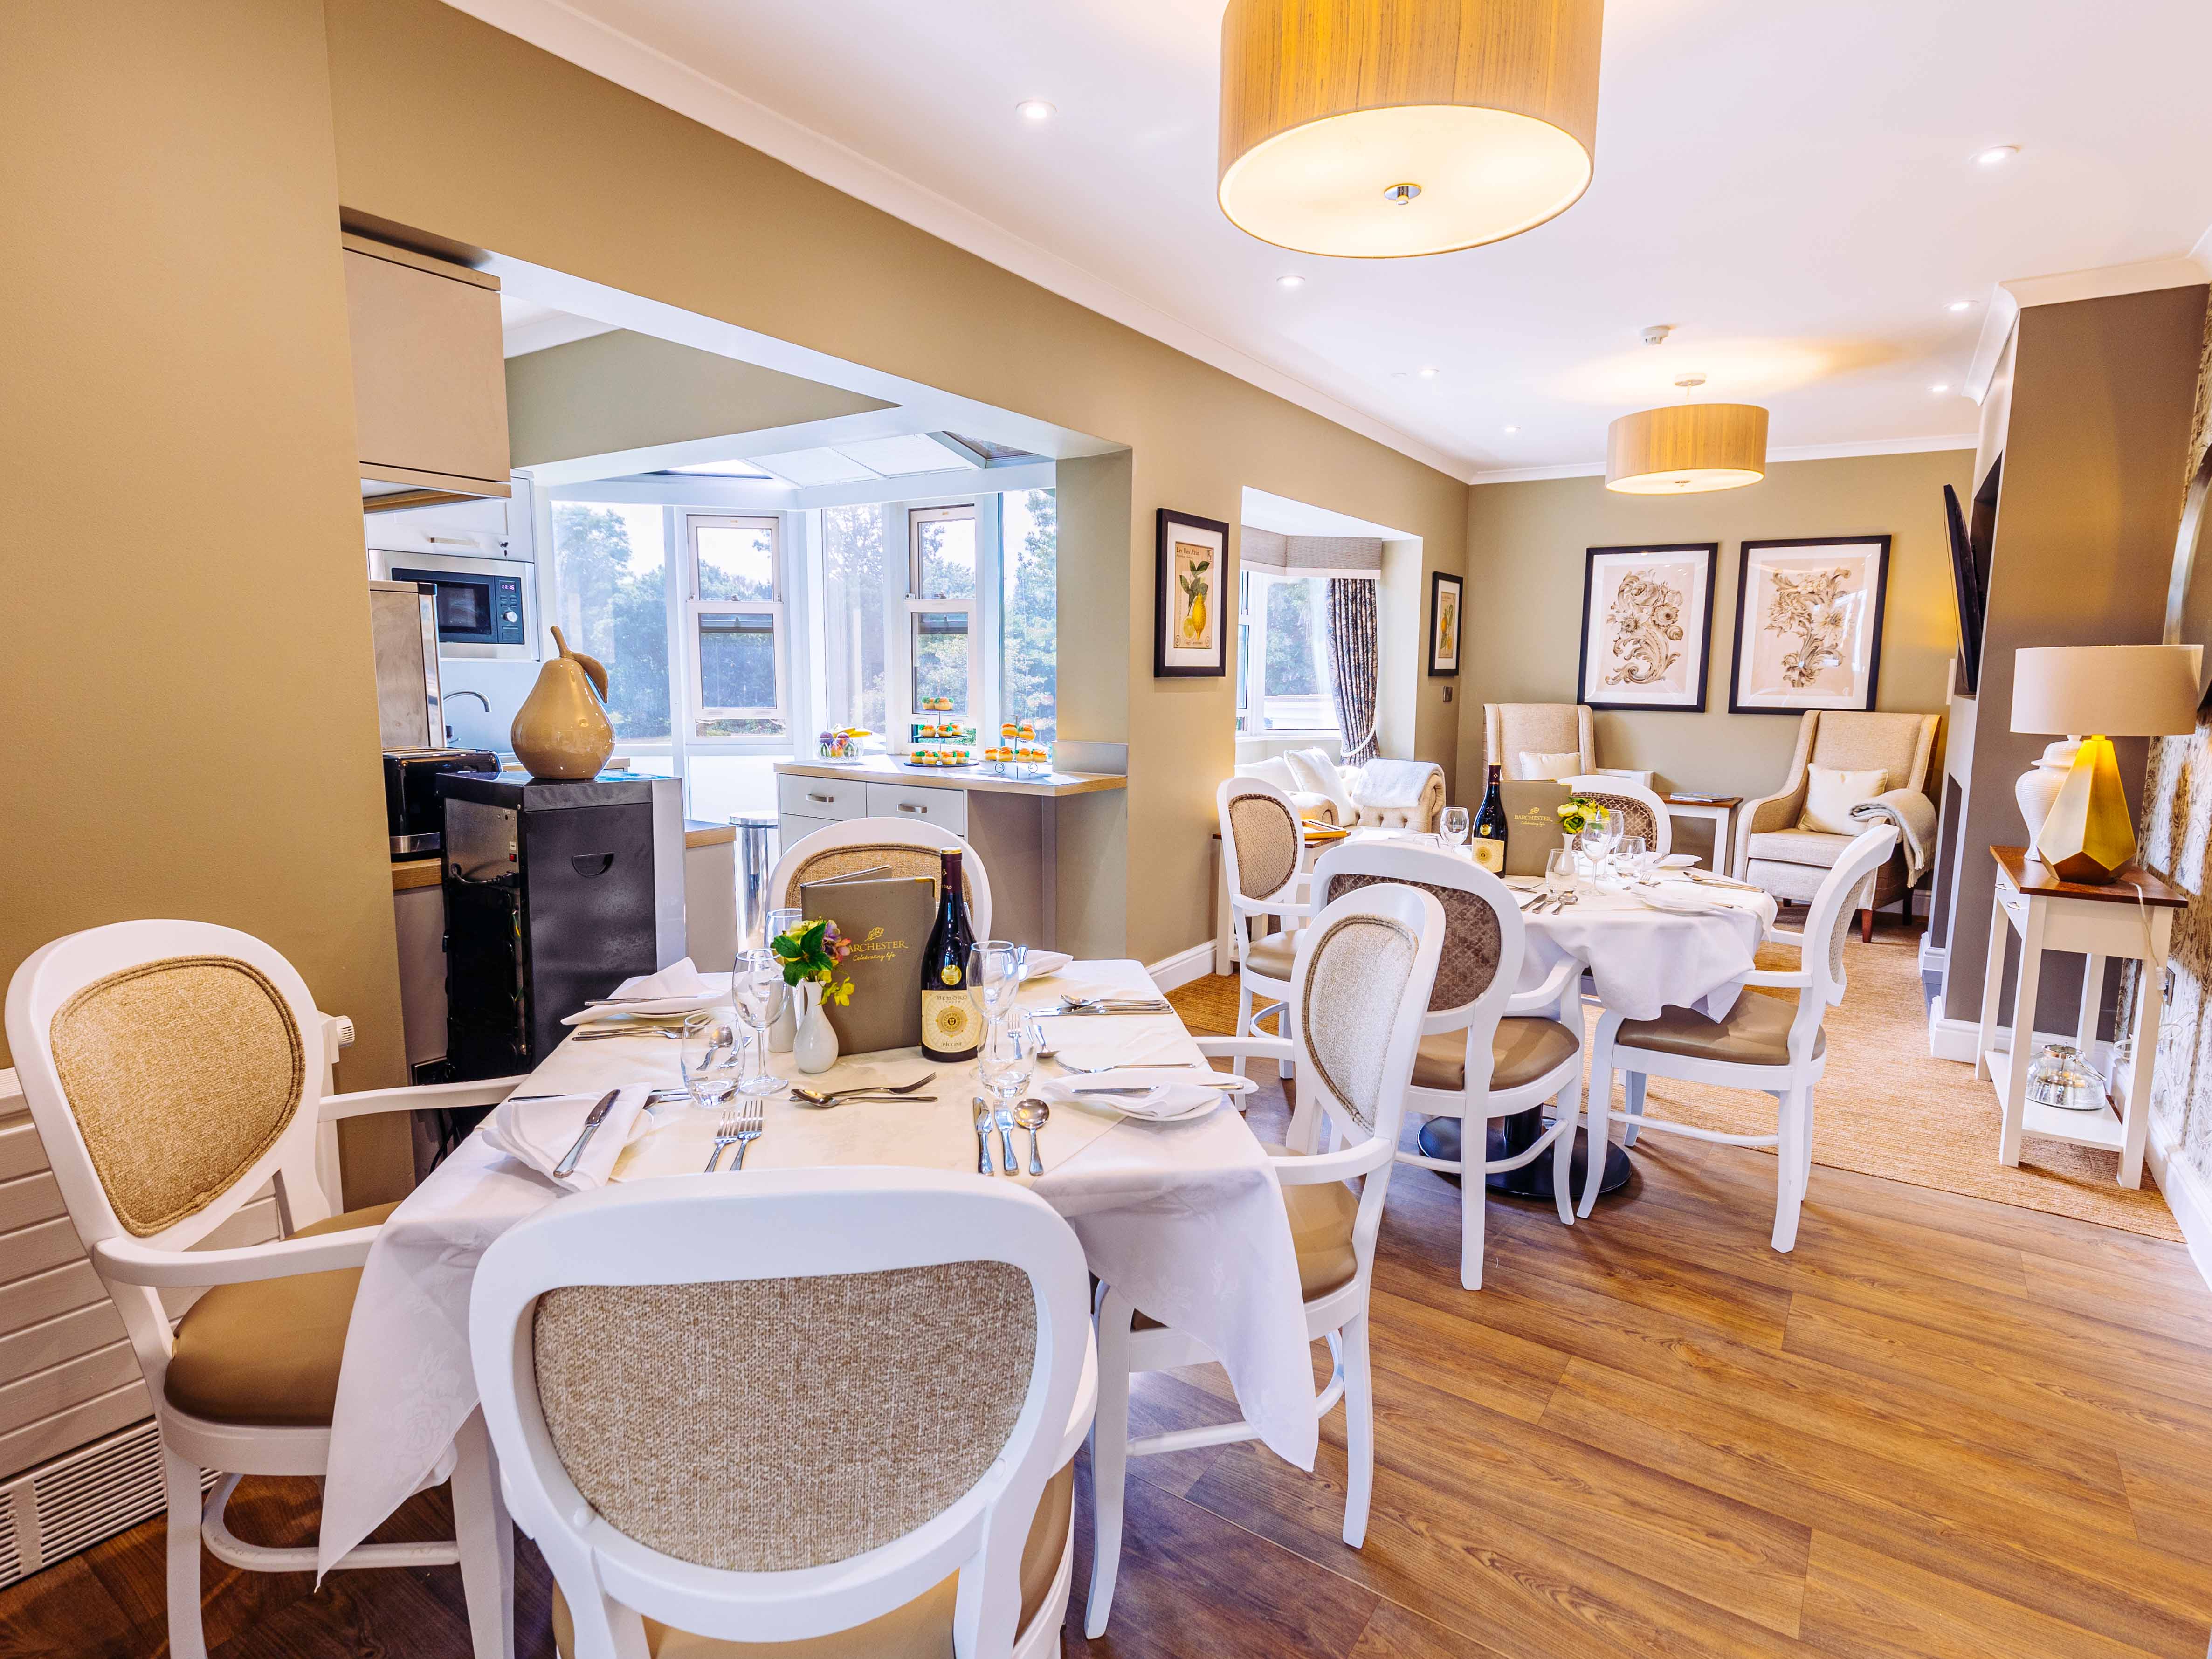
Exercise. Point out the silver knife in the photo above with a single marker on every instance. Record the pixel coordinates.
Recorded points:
(982, 1137)
(598, 1115)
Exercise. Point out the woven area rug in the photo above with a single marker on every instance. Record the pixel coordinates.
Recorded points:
(1886, 1107)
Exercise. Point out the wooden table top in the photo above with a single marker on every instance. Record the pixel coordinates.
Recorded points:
(2037, 879)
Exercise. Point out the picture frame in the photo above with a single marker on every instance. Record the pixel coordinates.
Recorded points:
(1190, 587)
(1447, 623)
(1647, 625)
(1809, 616)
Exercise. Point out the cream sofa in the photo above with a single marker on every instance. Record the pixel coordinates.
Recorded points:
(1772, 853)
(1350, 809)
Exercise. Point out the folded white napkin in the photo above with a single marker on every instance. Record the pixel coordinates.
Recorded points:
(1170, 1092)
(539, 1133)
(678, 989)
(1681, 897)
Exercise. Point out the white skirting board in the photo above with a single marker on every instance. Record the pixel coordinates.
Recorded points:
(1183, 967)
(2186, 1195)
(1954, 1039)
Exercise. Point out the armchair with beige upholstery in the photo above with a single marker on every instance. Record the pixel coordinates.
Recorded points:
(1512, 729)
(1383, 794)
(1772, 853)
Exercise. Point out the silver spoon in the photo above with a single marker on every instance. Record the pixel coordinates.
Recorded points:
(1031, 1114)
(824, 1098)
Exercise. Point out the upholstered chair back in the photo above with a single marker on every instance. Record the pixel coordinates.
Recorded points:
(1513, 729)
(1841, 896)
(1845, 740)
(1262, 839)
(893, 847)
(1638, 811)
(773, 1410)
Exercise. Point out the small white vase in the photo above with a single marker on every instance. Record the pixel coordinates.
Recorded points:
(814, 1049)
(2036, 790)
(783, 1030)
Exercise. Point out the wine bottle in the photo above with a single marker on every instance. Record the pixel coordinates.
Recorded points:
(1487, 842)
(951, 1025)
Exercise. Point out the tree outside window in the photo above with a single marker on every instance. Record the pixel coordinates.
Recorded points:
(1029, 556)
(609, 567)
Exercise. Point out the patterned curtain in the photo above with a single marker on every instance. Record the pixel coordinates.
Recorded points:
(1352, 664)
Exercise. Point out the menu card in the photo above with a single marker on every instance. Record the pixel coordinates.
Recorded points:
(887, 920)
(1532, 823)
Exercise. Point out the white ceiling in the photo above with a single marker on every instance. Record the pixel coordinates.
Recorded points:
(1790, 185)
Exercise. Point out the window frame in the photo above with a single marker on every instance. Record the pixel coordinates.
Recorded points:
(979, 614)
(696, 709)
(1252, 655)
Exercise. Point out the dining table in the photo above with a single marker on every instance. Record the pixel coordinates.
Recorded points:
(1186, 1218)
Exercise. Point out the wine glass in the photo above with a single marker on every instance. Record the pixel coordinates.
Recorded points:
(782, 920)
(709, 1039)
(1635, 855)
(757, 989)
(1453, 824)
(1008, 1059)
(995, 974)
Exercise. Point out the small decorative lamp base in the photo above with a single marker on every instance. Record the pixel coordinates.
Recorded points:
(2089, 835)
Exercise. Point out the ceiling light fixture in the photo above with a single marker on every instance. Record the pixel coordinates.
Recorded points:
(1687, 448)
(1510, 430)
(1290, 281)
(1960, 305)
(1995, 156)
(1940, 387)
(1035, 109)
(1377, 132)
(1428, 371)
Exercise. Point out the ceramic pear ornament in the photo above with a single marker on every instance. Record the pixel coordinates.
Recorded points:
(561, 730)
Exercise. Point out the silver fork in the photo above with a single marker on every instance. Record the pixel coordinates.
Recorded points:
(752, 1117)
(726, 1131)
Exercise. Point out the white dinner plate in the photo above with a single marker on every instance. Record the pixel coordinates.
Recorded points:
(1674, 896)
(660, 1008)
(1679, 861)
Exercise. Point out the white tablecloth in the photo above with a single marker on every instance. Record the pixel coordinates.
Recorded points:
(1643, 959)
(1187, 1218)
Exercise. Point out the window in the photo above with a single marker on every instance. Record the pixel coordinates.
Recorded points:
(609, 576)
(855, 572)
(1282, 644)
(733, 627)
(1029, 638)
(942, 622)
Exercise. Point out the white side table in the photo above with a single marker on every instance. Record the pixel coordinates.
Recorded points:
(1720, 810)
(2051, 914)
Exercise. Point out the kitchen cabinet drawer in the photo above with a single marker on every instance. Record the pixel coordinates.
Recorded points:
(821, 798)
(945, 808)
(791, 829)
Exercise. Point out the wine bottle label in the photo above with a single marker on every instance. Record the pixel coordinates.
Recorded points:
(950, 1022)
(1490, 854)
(950, 973)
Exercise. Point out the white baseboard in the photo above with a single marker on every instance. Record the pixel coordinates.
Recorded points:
(2186, 1195)
(1183, 967)
(1934, 958)
(1954, 1039)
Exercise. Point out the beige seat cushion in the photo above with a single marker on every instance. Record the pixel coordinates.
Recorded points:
(1755, 1033)
(922, 1629)
(268, 1352)
(1321, 1216)
(1274, 957)
(1809, 847)
(1523, 1051)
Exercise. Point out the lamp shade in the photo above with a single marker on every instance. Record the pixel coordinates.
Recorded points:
(1378, 128)
(2106, 690)
(1685, 448)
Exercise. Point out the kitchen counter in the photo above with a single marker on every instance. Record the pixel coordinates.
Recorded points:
(882, 768)
(407, 874)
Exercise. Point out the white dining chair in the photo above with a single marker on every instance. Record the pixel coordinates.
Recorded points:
(1364, 968)
(1771, 1044)
(174, 1069)
(1263, 851)
(1640, 810)
(897, 846)
(819, 1401)
(1485, 1051)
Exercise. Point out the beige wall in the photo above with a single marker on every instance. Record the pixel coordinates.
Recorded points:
(449, 126)
(1526, 554)
(190, 707)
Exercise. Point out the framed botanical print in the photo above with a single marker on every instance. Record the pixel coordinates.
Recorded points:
(1647, 625)
(1193, 564)
(1445, 595)
(1809, 625)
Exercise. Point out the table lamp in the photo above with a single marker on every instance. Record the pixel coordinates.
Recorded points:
(2095, 693)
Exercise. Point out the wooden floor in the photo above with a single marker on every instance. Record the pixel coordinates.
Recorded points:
(1942, 1427)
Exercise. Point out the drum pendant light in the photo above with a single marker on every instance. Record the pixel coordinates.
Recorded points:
(1686, 448)
(1378, 128)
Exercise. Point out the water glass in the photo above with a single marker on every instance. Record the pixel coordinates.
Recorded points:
(995, 974)
(1635, 856)
(758, 990)
(1560, 870)
(1453, 824)
(709, 1042)
(1008, 1061)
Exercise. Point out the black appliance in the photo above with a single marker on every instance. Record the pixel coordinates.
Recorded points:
(555, 892)
(414, 812)
(474, 607)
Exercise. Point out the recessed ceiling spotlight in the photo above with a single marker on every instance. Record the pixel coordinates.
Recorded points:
(1995, 156)
(1940, 387)
(1510, 430)
(1290, 280)
(1960, 305)
(1428, 371)
(1035, 109)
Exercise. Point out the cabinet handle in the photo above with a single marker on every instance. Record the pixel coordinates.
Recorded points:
(908, 806)
(826, 801)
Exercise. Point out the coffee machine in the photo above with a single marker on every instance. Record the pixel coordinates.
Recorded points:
(555, 892)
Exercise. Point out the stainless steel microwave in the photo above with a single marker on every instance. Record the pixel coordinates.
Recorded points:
(485, 607)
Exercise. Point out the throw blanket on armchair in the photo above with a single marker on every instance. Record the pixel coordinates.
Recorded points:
(1393, 785)
(1914, 815)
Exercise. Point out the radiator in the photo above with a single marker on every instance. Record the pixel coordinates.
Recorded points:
(74, 1501)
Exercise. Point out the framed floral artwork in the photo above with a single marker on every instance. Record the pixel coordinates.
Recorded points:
(1192, 560)
(1809, 625)
(1647, 625)
(1445, 593)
